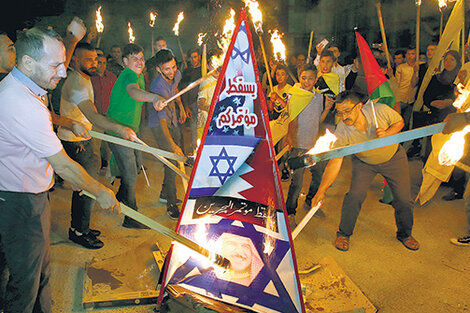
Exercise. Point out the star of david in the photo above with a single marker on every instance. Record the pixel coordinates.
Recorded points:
(215, 165)
(244, 293)
(237, 101)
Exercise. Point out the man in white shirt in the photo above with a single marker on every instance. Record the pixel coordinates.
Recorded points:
(30, 154)
(406, 91)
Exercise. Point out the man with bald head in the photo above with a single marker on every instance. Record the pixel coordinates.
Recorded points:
(30, 154)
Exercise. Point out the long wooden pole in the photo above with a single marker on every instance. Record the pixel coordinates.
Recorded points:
(418, 23)
(181, 50)
(382, 31)
(310, 46)
(189, 87)
(441, 24)
(463, 33)
(139, 217)
(268, 72)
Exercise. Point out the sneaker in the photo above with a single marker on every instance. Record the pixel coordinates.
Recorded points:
(173, 211)
(462, 241)
(162, 199)
(87, 240)
(95, 232)
(292, 222)
(285, 175)
(452, 196)
(130, 223)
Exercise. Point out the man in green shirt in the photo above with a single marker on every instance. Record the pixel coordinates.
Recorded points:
(125, 108)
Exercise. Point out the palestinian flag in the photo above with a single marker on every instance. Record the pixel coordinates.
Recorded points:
(377, 84)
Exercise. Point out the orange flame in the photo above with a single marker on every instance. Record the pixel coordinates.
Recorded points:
(324, 143)
(131, 33)
(200, 38)
(176, 28)
(462, 97)
(256, 15)
(453, 150)
(442, 4)
(153, 16)
(279, 49)
(224, 40)
(99, 21)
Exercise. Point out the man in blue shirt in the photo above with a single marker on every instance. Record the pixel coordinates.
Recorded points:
(164, 123)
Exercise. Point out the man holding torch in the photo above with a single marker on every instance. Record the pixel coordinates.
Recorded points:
(30, 154)
(357, 125)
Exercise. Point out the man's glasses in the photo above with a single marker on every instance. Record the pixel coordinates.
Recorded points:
(346, 112)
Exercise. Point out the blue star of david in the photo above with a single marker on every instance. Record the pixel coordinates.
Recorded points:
(237, 101)
(222, 108)
(215, 163)
(268, 273)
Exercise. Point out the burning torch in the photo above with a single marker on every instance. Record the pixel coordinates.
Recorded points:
(257, 18)
(176, 30)
(153, 16)
(99, 25)
(131, 33)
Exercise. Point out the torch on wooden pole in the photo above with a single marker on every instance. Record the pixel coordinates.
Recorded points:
(268, 72)
(99, 41)
(181, 50)
(418, 24)
(382, 31)
(139, 217)
(309, 58)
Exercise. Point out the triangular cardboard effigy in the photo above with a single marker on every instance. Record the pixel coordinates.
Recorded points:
(234, 204)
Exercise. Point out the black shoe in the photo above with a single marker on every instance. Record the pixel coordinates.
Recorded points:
(95, 232)
(452, 196)
(285, 175)
(130, 223)
(87, 240)
(462, 241)
(173, 211)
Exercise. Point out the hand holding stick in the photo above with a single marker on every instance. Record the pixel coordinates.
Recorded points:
(214, 257)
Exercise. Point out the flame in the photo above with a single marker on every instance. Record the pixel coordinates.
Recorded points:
(442, 4)
(324, 143)
(418, 3)
(462, 97)
(200, 37)
(256, 15)
(153, 16)
(453, 150)
(99, 21)
(176, 28)
(279, 50)
(131, 33)
(224, 40)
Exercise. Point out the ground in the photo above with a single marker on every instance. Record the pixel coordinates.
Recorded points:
(434, 279)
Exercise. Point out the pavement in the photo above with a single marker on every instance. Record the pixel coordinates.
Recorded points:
(436, 278)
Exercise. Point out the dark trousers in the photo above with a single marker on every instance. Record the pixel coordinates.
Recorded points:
(169, 179)
(397, 174)
(129, 162)
(24, 229)
(297, 179)
(82, 153)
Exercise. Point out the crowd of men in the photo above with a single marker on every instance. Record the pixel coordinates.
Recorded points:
(122, 93)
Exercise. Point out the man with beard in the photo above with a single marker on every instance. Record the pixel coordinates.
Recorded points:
(77, 103)
(30, 154)
(164, 123)
(357, 125)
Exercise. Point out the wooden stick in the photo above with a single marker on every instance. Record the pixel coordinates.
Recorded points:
(463, 33)
(440, 26)
(184, 180)
(382, 31)
(153, 49)
(306, 219)
(145, 175)
(310, 45)
(99, 41)
(181, 50)
(375, 115)
(282, 152)
(139, 217)
(167, 163)
(418, 23)
(136, 146)
(265, 62)
(189, 87)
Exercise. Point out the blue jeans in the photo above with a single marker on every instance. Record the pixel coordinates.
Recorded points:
(169, 179)
(297, 180)
(82, 153)
(397, 174)
(25, 221)
(129, 162)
